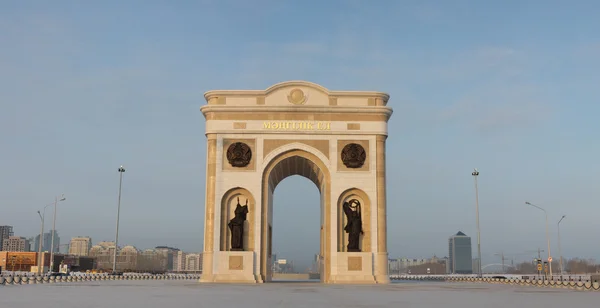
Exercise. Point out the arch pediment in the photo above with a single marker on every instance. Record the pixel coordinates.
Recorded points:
(297, 84)
(297, 93)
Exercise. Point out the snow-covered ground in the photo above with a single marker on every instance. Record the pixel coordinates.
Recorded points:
(185, 293)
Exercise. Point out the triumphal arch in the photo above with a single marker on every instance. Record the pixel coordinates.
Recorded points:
(257, 138)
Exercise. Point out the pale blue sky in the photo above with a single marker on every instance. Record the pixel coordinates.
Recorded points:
(509, 87)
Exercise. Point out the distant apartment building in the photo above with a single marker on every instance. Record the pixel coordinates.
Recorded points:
(150, 260)
(80, 246)
(404, 265)
(5, 233)
(103, 252)
(127, 258)
(193, 262)
(393, 266)
(15, 243)
(460, 254)
(168, 254)
(179, 261)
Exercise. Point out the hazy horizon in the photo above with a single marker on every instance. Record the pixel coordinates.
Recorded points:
(507, 87)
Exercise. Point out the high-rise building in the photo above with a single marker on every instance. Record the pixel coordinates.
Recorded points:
(36, 242)
(179, 261)
(460, 254)
(56, 241)
(317, 262)
(15, 243)
(47, 241)
(80, 246)
(5, 233)
(32, 248)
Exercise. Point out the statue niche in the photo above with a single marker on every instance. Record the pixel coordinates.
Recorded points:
(354, 224)
(236, 226)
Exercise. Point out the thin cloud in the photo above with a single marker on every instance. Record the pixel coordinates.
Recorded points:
(497, 110)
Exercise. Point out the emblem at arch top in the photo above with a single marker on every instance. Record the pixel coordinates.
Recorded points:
(239, 154)
(297, 97)
(353, 155)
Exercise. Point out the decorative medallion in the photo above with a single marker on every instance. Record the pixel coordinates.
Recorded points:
(239, 154)
(297, 97)
(353, 155)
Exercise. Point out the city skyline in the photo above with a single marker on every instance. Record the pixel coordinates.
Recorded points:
(507, 88)
(492, 259)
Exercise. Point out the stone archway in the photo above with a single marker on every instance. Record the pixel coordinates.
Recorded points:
(288, 163)
(255, 139)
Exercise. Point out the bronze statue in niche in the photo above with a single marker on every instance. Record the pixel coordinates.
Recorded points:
(354, 224)
(354, 155)
(239, 154)
(236, 226)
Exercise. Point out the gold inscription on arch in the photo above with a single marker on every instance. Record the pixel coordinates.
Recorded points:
(293, 125)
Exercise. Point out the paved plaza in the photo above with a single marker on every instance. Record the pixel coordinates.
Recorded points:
(180, 294)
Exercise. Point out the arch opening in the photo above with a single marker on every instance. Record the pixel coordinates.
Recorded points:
(296, 225)
(295, 165)
(309, 166)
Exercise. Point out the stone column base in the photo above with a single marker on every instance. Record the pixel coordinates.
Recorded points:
(353, 268)
(381, 268)
(233, 267)
(207, 267)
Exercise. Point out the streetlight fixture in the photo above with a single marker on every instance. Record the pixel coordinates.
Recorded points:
(559, 248)
(475, 173)
(42, 217)
(56, 200)
(547, 235)
(121, 171)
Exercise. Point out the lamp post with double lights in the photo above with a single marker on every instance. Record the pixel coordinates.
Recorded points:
(41, 239)
(121, 171)
(559, 248)
(547, 236)
(475, 174)
(56, 200)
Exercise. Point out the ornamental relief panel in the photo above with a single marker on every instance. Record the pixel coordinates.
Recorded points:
(353, 155)
(239, 155)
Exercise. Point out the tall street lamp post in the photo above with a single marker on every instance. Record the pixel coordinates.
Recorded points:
(56, 200)
(547, 236)
(41, 239)
(121, 171)
(559, 248)
(475, 174)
